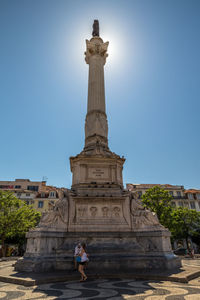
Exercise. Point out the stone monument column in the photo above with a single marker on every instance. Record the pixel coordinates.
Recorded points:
(121, 235)
(96, 127)
(96, 164)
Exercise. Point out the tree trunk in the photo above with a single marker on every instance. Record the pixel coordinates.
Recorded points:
(3, 249)
(187, 243)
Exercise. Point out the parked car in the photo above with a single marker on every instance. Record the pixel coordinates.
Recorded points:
(180, 251)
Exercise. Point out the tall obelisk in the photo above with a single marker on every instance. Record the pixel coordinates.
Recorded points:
(96, 164)
(96, 127)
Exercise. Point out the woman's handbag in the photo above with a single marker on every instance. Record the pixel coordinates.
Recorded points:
(78, 258)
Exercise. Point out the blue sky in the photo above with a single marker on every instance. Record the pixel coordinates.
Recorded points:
(152, 81)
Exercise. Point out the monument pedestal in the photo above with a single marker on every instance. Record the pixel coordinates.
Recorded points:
(109, 252)
(121, 236)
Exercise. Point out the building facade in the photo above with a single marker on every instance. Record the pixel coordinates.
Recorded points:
(180, 197)
(35, 193)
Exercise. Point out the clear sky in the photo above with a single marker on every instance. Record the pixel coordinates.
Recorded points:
(152, 81)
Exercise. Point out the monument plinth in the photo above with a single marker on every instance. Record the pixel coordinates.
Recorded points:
(121, 235)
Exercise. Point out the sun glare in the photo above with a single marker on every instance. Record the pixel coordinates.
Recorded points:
(116, 39)
(113, 48)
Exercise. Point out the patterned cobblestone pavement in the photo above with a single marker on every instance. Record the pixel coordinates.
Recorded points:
(100, 289)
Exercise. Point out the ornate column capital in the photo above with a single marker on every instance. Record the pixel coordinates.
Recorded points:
(96, 47)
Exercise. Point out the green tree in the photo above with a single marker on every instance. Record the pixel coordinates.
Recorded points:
(182, 222)
(16, 217)
(185, 223)
(158, 200)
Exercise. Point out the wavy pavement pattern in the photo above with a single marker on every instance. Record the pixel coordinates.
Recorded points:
(114, 289)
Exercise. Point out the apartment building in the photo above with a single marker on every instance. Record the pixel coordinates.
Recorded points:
(193, 198)
(181, 197)
(35, 193)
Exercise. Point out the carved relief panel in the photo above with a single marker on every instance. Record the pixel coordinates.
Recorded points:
(81, 211)
(93, 211)
(105, 211)
(101, 213)
(116, 211)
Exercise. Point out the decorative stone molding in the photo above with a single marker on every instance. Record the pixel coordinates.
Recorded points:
(82, 211)
(96, 47)
(116, 211)
(93, 211)
(105, 211)
(99, 211)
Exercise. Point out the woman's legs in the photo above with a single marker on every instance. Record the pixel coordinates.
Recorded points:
(81, 270)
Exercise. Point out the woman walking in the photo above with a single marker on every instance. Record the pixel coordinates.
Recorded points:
(77, 252)
(83, 262)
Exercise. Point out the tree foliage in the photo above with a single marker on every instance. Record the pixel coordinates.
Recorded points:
(16, 217)
(182, 222)
(185, 223)
(158, 200)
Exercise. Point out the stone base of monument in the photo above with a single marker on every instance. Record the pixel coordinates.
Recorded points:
(109, 252)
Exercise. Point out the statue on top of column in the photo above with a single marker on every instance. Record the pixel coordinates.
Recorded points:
(95, 31)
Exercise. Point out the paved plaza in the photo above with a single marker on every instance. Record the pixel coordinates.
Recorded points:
(115, 289)
(100, 289)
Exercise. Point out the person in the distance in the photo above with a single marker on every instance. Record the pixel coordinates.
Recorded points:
(83, 262)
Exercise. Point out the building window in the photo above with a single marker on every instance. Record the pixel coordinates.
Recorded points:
(52, 195)
(6, 186)
(198, 196)
(186, 204)
(40, 204)
(180, 203)
(173, 204)
(139, 194)
(18, 187)
(28, 194)
(199, 204)
(18, 194)
(192, 205)
(171, 193)
(32, 188)
(178, 194)
(42, 195)
(190, 196)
